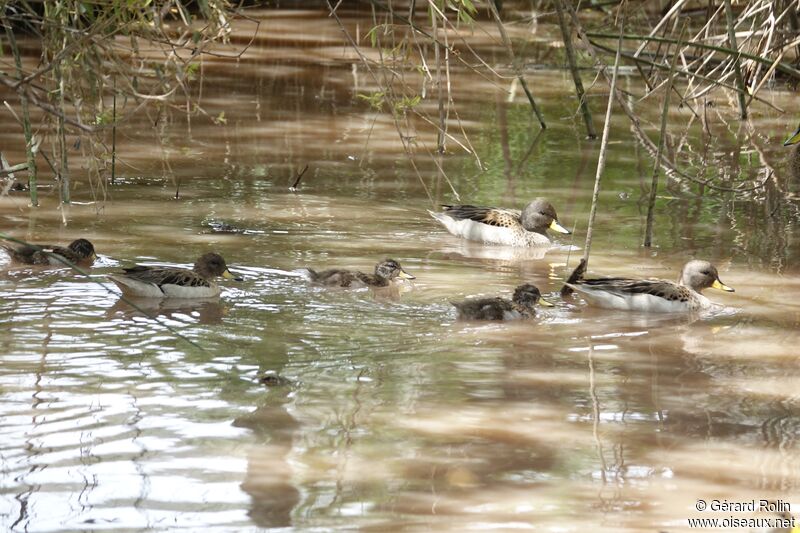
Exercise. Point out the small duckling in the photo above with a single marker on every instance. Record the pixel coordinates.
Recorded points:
(385, 273)
(519, 307)
(79, 252)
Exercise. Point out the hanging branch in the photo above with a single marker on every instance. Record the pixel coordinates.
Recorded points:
(573, 67)
(515, 66)
(737, 69)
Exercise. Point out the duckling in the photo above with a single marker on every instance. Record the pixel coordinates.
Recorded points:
(385, 273)
(494, 225)
(165, 282)
(519, 307)
(794, 156)
(657, 296)
(79, 252)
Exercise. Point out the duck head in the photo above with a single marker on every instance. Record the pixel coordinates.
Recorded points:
(699, 275)
(83, 249)
(391, 269)
(211, 265)
(527, 295)
(793, 139)
(539, 216)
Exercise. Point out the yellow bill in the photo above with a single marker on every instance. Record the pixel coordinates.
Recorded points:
(405, 275)
(555, 226)
(721, 286)
(227, 275)
(545, 303)
(794, 139)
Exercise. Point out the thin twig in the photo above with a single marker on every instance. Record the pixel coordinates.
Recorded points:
(573, 67)
(601, 160)
(515, 65)
(648, 233)
(737, 69)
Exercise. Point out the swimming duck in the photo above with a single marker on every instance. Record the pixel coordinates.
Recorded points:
(79, 252)
(165, 282)
(502, 226)
(385, 272)
(658, 296)
(794, 157)
(520, 305)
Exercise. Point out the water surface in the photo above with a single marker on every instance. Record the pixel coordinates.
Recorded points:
(393, 415)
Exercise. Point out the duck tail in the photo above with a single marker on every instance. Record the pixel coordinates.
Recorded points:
(575, 277)
(313, 275)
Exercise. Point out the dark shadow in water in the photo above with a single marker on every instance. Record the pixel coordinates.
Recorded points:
(200, 310)
(268, 480)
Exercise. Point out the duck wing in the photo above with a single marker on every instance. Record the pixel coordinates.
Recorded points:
(493, 216)
(483, 308)
(166, 276)
(334, 277)
(64, 252)
(625, 286)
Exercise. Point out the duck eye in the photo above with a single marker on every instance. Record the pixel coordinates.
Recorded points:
(705, 273)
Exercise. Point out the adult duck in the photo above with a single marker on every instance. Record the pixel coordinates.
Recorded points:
(167, 282)
(493, 225)
(656, 296)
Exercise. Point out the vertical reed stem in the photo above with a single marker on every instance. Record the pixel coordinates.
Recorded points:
(601, 160)
(573, 67)
(26, 118)
(648, 233)
(737, 70)
(438, 54)
(515, 66)
(114, 133)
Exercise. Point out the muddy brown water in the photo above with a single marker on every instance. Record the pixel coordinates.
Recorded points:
(393, 415)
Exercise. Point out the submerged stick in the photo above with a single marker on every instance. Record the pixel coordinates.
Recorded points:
(26, 117)
(737, 69)
(601, 160)
(648, 232)
(298, 178)
(573, 67)
(515, 66)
